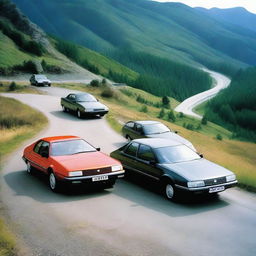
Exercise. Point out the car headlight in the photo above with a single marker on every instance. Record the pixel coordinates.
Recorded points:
(231, 177)
(88, 109)
(116, 168)
(76, 173)
(195, 184)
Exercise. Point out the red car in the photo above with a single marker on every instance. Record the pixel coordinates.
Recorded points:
(70, 159)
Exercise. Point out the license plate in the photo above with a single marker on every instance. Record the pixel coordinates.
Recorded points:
(216, 189)
(99, 178)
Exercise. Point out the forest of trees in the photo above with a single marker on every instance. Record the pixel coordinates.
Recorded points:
(235, 106)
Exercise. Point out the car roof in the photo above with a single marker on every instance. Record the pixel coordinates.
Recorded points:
(145, 122)
(158, 142)
(60, 138)
(81, 93)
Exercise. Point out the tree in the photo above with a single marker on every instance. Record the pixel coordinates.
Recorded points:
(166, 101)
(204, 120)
(171, 116)
(161, 113)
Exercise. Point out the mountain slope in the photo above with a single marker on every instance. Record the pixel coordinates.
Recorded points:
(170, 30)
(236, 16)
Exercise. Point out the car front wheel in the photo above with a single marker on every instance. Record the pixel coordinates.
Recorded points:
(29, 168)
(54, 184)
(170, 191)
(79, 114)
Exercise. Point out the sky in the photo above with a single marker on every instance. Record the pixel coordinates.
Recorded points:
(250, 5)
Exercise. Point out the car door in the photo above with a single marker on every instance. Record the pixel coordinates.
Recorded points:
(146, 163)
(39, 156)
(138, 132)
(71, 98)
(128, 156)
(128, 129)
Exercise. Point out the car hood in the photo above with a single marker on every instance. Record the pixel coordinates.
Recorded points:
(94, 105)
(200, 169)
(83, 161)
(170, 135)
(43, 80)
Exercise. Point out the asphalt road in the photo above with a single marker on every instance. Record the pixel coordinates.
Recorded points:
(190, 103)
(128, 220)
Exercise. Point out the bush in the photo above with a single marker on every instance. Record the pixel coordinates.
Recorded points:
(171, 116)
(95, 83)
(190, 127)
(108, 92)
(12, 86)
(27, 66)
(218, 137)
(181, 115)
(144, 109)
(161, 113)
(204, 120)
(166, 102)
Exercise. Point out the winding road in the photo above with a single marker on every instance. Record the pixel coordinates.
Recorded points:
(128, 220)
(187, 106)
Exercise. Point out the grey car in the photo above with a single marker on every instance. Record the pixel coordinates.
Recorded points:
(39, 80)
(152, 129)
(83, 104)
(174, 166)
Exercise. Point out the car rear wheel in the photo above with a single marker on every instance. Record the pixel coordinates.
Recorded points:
(128, 138)
(64, 109)
(49, 85)
(54, 184)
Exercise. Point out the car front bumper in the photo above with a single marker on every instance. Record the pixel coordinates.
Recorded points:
(94, 113)
(208, 189)
(89, 179)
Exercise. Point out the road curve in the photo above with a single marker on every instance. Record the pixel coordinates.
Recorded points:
(130, 220)
(190, 103)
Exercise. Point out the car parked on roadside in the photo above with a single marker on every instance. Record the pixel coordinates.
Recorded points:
(39, 80)
(174, 166)
(152, 129)
(71, 160)
(83, 104)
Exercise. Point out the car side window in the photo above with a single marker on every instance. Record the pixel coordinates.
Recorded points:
(130, 125)
(44, 148)
(145, 153)
(132, 149)
(37, 146)
(71, 97)
(139, 128)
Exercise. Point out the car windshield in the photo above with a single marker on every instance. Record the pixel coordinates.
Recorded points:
(40, 77)
(175, 154)
(155, 129)
(70, 147)
(85, 97)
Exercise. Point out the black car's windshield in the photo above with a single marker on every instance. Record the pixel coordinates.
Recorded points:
(175, 154)
(155, 129)
(70, 147)
(85, 97)
(40, 77)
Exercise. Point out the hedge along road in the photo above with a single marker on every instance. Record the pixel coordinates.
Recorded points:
(128, 220)
(190, 103)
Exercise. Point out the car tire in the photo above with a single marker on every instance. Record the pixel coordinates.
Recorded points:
(49, 85)
(64, 108)
(79, 114)
(169, 191)
(109, 185)
(128, 138)
(29, 168)
(54, 184)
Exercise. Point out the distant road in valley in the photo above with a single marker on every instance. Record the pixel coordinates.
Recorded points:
(190, 103)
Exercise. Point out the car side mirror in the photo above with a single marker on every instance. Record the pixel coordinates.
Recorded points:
(98, 149)
(176, 132)
(201, 155)
(45, 154)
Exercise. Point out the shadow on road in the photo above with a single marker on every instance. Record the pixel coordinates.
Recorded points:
(73, 117)
(146, 193)
(36, 187)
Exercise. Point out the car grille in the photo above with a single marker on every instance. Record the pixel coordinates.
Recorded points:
(98, 109)
(97, 171)
(215, 181)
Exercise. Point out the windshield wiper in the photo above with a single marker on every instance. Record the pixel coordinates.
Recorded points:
(80, 152)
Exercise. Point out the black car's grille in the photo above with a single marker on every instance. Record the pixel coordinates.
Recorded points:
(98, 109)
(97, 171)
(215, 181)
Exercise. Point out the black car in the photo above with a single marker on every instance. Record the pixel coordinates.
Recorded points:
(152, 129)
(83, 104)
(174, 166)
(39, 80)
